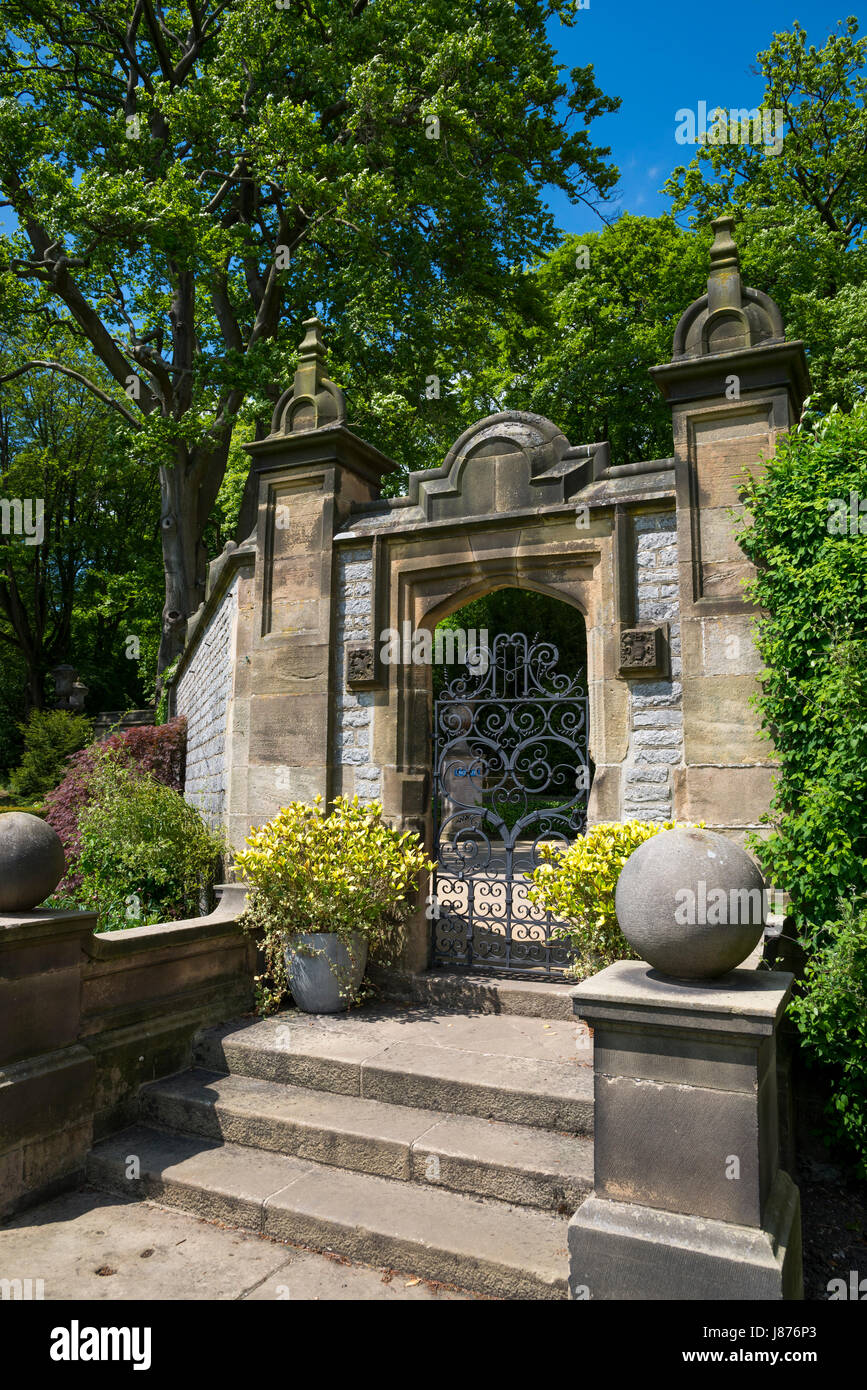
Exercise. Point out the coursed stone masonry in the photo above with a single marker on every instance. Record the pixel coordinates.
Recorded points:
(656, 716)
(202, 696)
(355, 770)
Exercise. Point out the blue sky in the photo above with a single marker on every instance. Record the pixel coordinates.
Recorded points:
(662, 56)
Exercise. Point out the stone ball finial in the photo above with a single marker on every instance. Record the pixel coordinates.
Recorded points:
(691, 903)
(32, 861)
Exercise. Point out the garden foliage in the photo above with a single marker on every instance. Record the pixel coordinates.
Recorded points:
(578, 883)
(811, 551)
(808, 536)
(145, 855)
(50, 736)
(345, 872)
(830, 1011)
(160, 752)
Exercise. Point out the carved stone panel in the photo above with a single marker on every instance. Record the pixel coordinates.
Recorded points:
(642, 651)
(360, 665)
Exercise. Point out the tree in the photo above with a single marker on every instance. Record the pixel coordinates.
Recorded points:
(802, 211)
(186, 175)
(89, 577)
(600, 310)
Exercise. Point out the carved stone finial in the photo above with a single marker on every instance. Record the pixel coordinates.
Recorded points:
(69, 691)
(730, 316)
(724, 281)
(312, 401)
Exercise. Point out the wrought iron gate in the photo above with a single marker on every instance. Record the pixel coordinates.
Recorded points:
(510, 772)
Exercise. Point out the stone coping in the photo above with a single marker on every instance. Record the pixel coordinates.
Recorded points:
(631, 991)
(370, 519)
(44, 922)
(105, 945)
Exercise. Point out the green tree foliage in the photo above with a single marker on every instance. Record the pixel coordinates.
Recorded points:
(808, 538)
(801, 213)
(186, 176)
(580, 350)
(49, 737)
(524, 610)
(95, 578)
(13, 681)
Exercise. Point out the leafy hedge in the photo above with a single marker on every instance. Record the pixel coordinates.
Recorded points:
(830, 1011)
(807, 533)
(159, 751)
(812, 588)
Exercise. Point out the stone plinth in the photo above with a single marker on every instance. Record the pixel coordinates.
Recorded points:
(689, 1200)
(46, 1076)
(86, 1018)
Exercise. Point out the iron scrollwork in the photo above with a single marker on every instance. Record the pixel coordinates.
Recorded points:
(511, 772)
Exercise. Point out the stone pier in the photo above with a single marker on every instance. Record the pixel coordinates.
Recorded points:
(689, 1199)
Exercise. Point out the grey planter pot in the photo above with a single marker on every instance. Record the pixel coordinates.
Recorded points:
(315, 981)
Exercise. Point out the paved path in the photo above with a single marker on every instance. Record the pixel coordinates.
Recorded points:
(149, 1252)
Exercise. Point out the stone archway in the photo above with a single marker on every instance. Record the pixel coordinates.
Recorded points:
(282, 680)
(500, 513)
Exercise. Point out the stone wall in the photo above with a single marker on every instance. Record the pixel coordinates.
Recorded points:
(202, 694)
(656, 717)
(86, 1019)
(355, 770)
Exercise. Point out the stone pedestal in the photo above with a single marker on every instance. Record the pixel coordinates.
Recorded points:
(689, 1199)
(46, 1075)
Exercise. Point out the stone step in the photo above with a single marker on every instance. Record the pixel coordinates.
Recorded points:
(511, 1163)
(462, 990)
(483, 1246)
(511, 1069)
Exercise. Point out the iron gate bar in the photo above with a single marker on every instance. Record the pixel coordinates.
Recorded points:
(504, 733)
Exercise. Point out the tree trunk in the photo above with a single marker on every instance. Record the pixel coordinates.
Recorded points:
(189, 489)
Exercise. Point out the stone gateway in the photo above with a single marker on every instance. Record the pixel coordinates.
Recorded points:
(282, 679)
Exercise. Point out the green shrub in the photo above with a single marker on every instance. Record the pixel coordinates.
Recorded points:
(812, 637)
(807, 533)
(49, 738)
(830, 1010)
(345, 872)
(578, 882)
(146, 856)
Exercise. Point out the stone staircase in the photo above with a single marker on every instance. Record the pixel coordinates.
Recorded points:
(452, 1146)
